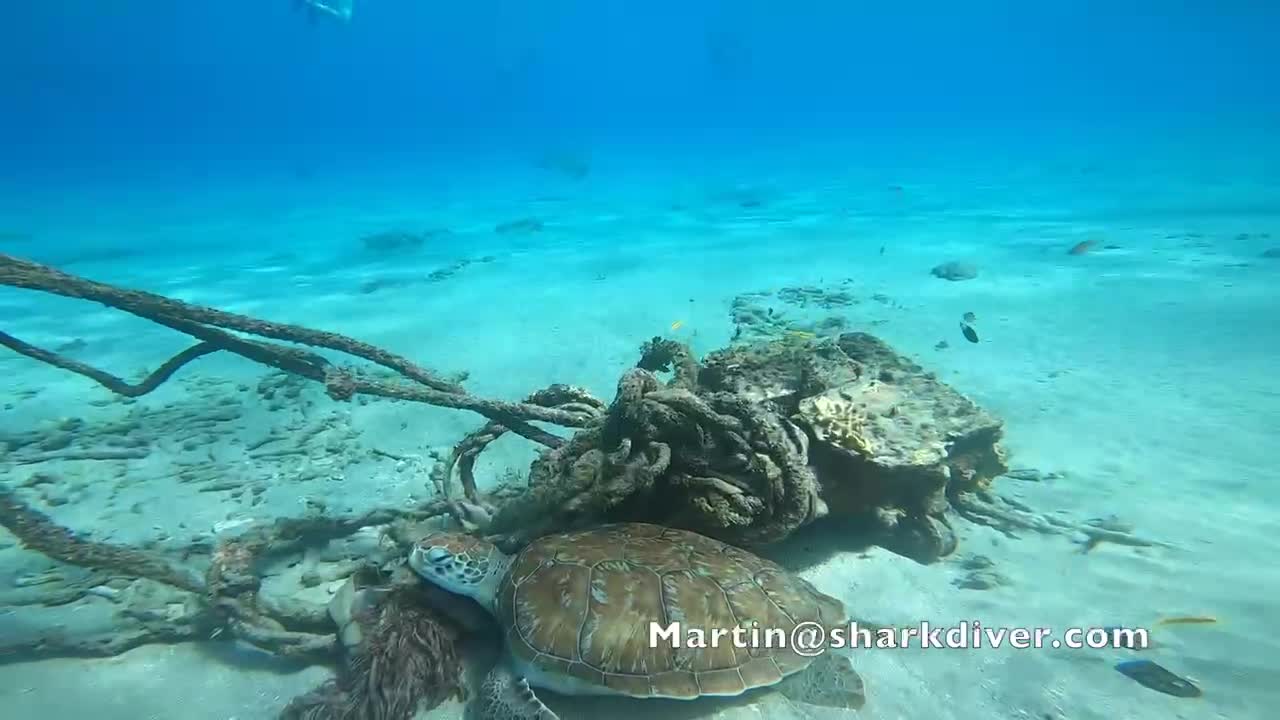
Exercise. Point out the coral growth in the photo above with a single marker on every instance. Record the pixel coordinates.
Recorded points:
(835, 419)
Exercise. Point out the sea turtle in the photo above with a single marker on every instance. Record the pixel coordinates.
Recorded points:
(576, 610)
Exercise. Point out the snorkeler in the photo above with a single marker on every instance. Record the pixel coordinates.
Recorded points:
(340, 9)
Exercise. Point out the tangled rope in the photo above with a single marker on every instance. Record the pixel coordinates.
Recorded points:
(674, 454)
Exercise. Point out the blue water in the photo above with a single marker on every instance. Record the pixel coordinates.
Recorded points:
(679, 155)
(240, 87)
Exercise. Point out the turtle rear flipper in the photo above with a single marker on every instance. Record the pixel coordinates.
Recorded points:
(829, 681)
(503, 696)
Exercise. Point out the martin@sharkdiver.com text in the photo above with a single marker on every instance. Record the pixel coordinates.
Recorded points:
(811, 638)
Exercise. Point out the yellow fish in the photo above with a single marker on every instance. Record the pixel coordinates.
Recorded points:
(1187, 620)
(677, 325)
(801, 334)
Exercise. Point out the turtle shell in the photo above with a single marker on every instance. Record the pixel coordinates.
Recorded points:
(576, 609)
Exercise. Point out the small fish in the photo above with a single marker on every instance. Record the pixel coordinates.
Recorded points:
(1187, 620)
(969, 333)
(1151, 675)
(1082, 247)
(677, 325)
(801, 334)
(970, 318)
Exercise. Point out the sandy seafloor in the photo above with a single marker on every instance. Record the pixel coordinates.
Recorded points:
(1144, 374)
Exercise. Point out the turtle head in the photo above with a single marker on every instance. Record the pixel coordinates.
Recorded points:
(460, 563)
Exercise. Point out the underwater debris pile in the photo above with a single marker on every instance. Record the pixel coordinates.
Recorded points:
(759, 441)
(750, 444)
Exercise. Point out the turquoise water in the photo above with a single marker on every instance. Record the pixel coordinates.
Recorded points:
(660, 162)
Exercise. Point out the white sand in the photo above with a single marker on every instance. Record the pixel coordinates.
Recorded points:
(1146, 375)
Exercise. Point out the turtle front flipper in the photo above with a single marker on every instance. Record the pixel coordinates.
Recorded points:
(503, 696)
(829, 681)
